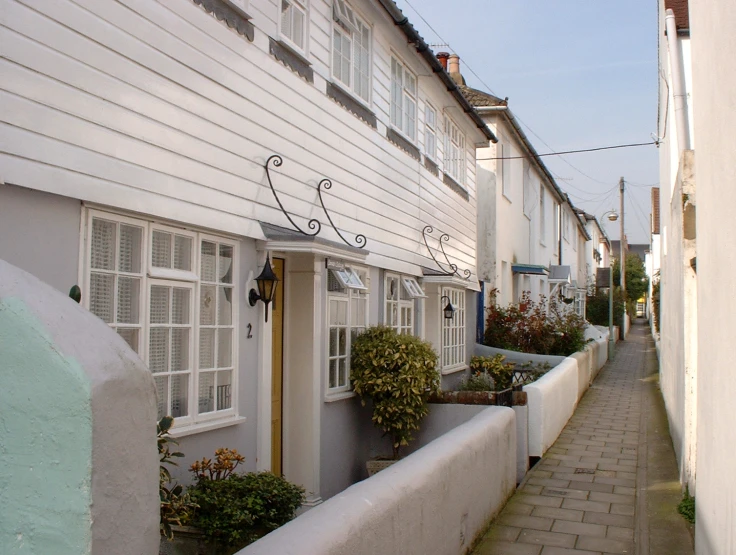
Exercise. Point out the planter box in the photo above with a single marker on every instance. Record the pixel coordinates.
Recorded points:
(187, 541)
(374, 467)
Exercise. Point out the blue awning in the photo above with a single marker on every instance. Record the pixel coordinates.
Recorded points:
(529, 269)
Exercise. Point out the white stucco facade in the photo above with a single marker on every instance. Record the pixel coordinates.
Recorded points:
(714, 115)
(678, 325)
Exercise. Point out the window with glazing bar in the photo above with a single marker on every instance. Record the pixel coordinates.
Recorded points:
(453, 330)
(351, 50)
(347, 313)
(403, 99)
(169, 293)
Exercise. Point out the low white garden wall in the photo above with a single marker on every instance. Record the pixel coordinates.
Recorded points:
(433, 501)
(551, 400)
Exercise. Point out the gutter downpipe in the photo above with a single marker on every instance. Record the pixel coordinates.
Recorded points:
(679, 91)
(402, 22)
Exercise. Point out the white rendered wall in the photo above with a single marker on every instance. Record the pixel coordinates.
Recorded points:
(714, 80)
(434, 501)
(552, 400)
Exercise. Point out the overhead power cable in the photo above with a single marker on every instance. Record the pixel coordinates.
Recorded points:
(596, 149)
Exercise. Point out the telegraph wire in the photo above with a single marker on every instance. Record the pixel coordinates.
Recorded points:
(560, 153)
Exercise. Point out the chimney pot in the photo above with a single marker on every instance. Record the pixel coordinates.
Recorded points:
(442, 57)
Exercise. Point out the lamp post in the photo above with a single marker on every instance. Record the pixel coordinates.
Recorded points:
(612, 216)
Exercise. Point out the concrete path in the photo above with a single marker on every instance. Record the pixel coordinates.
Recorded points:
(610, 478)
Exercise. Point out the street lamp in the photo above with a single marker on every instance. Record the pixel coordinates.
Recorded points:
(612, 216)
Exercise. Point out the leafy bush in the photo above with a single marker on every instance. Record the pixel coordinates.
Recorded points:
(596, 308)
(242, 508)
(398, 373)
(499, 373)
(237, 509)
(534, 327)
(477, 381)
(655, 304)
(687, 506)
(176, 507)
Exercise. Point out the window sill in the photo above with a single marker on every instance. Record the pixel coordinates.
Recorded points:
(291, 58)
(332, 397)
(454, 369)
(206, 426)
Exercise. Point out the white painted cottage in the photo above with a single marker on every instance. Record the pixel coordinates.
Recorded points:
(156, 152)
(529, 235)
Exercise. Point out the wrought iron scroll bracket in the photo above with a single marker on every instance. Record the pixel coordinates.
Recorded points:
(313, 224)
(466, 273)
(360, 238)
(428, 230)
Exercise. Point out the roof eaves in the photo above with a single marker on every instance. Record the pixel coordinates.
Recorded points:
(530, 148)
(402, 22)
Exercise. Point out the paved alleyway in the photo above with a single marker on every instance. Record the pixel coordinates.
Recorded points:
(581, 498)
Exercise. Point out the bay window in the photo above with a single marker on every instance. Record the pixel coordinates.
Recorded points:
(400, 292)
(170, 294)
(453, 331)
(347, 316)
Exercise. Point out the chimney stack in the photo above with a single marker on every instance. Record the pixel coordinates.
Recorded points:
(454, 69)
(442, 57)
(454, 65)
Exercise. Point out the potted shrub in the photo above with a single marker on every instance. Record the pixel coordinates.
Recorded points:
(397, 373)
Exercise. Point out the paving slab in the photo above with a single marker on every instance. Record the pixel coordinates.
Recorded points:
(592, 493)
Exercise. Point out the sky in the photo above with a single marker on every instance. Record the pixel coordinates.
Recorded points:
(578, 74)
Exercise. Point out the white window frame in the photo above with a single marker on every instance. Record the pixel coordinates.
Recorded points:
(169, 373)
(404, 102)
(504, 164)
(542, 215)
(430, 131)
(353, 291)
(403, 307)
(347, 25)
(151, 275)
(454, 335)
(456, 161)
(87, 279)
(287, 35)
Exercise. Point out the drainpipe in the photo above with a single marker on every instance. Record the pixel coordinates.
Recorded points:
(679, 91)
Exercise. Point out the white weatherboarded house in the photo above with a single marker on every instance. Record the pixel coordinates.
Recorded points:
(134, 138)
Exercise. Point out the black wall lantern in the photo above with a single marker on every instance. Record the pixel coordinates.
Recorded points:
(266, 281)
(449, 310)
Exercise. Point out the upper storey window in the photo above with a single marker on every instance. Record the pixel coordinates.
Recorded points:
(455, 161)
(403, 99)
(294, 23)
(351, 50)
